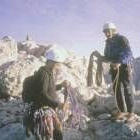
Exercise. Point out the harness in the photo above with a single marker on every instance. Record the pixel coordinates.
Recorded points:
(41, 120)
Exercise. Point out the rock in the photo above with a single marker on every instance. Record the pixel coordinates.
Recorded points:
(137, 107)
(110, 104)
(11, 112)
(72, 134)
(30, 47)
(66, 74)
(88, 135)
(8, 50)
(14, 132)
(78, 68)
(85, 93)
(13, 74)
(129, 130)
(88, 138)
(74, 71)
(104, 116)
(108, 130)
(15, 67)
(98, 106)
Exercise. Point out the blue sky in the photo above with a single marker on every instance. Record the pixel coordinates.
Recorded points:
(72, 24)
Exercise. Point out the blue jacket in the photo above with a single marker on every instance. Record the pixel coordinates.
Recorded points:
(118, 50)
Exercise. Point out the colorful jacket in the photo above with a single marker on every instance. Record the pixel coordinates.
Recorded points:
(118, 50)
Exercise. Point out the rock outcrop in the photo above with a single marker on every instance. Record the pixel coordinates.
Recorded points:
(8, 50)
(98, 102)
(32, 48)
(136, 73)
(105, 129)
(12, 74)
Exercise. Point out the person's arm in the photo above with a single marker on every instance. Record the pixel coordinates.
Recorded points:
(59, 86)
(47, 99)
(106, 57)
(64, 84)
(126, 53)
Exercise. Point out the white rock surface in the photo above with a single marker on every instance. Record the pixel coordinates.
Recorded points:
(8, 50)
(13, 74)
(72, 135)
(109, 130)
(32, 48)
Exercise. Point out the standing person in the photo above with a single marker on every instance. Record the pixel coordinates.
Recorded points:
(41, 90)
(118, 53)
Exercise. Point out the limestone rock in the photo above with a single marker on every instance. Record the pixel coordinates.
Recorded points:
(32, 48)
(15, 67)
(13, 74)
(14, 132)
(72, 135)
(108, 130)
(8, 50)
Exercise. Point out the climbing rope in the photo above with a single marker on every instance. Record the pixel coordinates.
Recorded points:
(116, 80)
(99, 70)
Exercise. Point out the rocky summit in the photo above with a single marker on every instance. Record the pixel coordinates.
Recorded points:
(19, 60)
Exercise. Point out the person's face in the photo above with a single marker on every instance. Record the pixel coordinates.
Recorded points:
(57, 68)
(109, 33)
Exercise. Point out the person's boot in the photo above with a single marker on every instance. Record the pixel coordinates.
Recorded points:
(130, 116)
(119, 115)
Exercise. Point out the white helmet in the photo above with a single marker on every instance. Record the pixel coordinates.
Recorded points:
(56, 54)
(109, 25)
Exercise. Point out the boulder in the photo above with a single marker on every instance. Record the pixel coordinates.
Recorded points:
(32, 48)
(109, 130)
(13, 74)
(14, 132)
(72, 134)
(29, 46)
(8, 50)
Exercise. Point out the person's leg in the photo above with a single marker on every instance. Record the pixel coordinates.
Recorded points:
(117, 91)
(128, 97)
(118, 97)
(128, 91)
(58, 135)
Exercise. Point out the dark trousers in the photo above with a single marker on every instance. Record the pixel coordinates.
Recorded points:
(123, 87)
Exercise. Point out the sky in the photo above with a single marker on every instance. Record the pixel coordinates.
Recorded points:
(72, 24)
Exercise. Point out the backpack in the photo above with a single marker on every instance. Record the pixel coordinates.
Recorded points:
(27, 93)
(32, 87)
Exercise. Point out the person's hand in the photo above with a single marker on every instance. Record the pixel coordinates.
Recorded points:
(96, 53)
(116, 65)
(65, 83)
(61, 106)
(66, 106)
